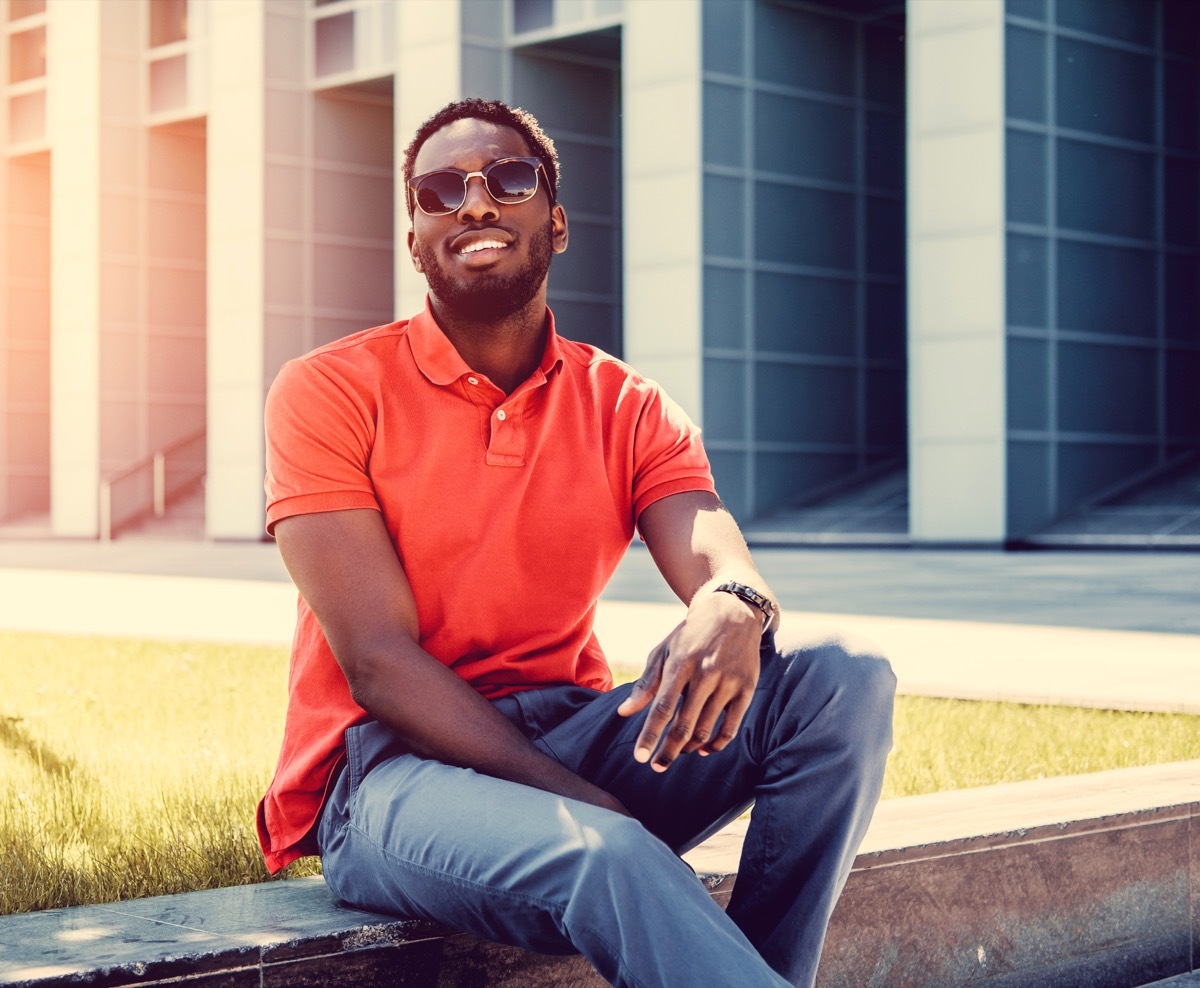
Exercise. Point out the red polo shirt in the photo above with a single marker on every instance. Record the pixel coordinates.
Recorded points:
(508, 513)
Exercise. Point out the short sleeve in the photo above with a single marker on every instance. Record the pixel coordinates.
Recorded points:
(320, 429)
(669, 457)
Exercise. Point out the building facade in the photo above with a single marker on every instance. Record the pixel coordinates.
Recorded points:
(953, 243)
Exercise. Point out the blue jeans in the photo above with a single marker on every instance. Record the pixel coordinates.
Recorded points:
(413, 836)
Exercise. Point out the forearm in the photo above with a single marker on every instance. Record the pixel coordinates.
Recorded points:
(698, 546)
(438, 715)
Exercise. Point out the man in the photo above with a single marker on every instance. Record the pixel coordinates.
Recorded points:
(450, 494)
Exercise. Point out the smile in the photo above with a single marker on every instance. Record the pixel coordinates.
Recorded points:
(482, 245)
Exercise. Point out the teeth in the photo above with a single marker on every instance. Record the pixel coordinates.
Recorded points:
(481, 245)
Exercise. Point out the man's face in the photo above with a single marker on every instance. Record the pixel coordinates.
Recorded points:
(487, 259)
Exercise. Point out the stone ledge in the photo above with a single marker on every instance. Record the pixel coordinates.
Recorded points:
(1060, 883)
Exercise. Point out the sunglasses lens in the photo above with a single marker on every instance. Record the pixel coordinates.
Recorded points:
(512, 181)
(441, 192)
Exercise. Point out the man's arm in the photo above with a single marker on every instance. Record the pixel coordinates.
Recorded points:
(346, 569)
(711, 660)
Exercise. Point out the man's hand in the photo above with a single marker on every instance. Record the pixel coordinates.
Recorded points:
(701, 679)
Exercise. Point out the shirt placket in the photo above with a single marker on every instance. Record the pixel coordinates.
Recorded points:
(506, 436)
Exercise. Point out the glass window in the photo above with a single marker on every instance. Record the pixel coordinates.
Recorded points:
(724, 307)
(885, 150)
(722, 29)
(27, 55)
(1122, 20)
(724, 399)
(1027, 379)
(1125, 375)
(1025, 74)
(168, 84)
(795, 403)
(799, 314)
(802, 49)
(168, 22)
(27, 118)
(25, 8)
(1025, 177)
(885, 236)
(804, 226)
(532, 15)
(1032, 9)
(335, 44)
(1105, 91)
(1106, 289)
(1105, 190)
(722, 118)
(803, 138)
(724, 217)
(1026, 281)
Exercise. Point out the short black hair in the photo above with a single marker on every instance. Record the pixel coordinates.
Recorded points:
(494, 111)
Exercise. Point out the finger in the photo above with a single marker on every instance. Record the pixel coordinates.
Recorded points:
(706, 723)
(646, 685)
(662, 710)
(733, 720)
(680, 729)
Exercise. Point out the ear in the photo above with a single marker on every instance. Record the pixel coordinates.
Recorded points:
(416, 260)
(558, 228)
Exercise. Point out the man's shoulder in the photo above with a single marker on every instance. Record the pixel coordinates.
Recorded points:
(362, 343)
(358, 355)
(590, 362)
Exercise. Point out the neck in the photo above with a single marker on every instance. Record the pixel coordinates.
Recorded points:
(506, 350)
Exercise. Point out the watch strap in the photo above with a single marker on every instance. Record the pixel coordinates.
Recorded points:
(751, 596)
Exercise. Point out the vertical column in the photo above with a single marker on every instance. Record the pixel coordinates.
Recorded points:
(73, 130)
(428, 75)
(236, 239)
(956, 270)
(662, 174)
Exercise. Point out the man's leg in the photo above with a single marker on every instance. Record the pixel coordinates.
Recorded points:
(810, 755)
(416, 837)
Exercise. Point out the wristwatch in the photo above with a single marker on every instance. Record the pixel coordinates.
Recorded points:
(751, 596)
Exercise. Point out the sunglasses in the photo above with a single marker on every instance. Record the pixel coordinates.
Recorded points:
(508, 180)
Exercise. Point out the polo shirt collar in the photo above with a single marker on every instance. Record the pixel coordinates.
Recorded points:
(437, 359)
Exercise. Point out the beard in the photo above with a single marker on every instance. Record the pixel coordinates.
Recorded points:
(485, 297)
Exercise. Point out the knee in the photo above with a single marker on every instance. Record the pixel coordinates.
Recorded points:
(853, 686)
(611, 852)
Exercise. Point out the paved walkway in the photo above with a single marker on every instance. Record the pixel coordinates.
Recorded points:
(1098, 629)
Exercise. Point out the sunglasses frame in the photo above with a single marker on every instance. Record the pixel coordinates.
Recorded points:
(539, 167)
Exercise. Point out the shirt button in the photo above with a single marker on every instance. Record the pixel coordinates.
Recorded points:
(502, 415)
(472, 380)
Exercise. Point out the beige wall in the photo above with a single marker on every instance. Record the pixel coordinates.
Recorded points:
(25, 332)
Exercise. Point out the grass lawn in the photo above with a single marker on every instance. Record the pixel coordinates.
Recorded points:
(131, 768)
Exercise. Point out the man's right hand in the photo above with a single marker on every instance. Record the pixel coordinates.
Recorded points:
(347, 571)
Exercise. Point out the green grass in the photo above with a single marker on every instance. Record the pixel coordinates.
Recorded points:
(132, 768)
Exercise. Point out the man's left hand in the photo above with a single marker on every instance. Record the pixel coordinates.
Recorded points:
(698, 681)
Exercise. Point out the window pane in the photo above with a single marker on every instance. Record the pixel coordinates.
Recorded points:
(335, 44)
(168, 22)
(24, 8)
(27, 118)
(27, 55)
(168, 84)
(532, 15)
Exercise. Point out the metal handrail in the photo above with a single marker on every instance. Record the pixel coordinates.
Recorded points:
(157, 463)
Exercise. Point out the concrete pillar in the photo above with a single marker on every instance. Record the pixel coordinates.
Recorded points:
(87, 84)
(428, 75)
(236, 250)
(663, 174)
(956, 230)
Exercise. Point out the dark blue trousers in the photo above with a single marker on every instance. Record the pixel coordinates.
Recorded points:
(413, 836)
